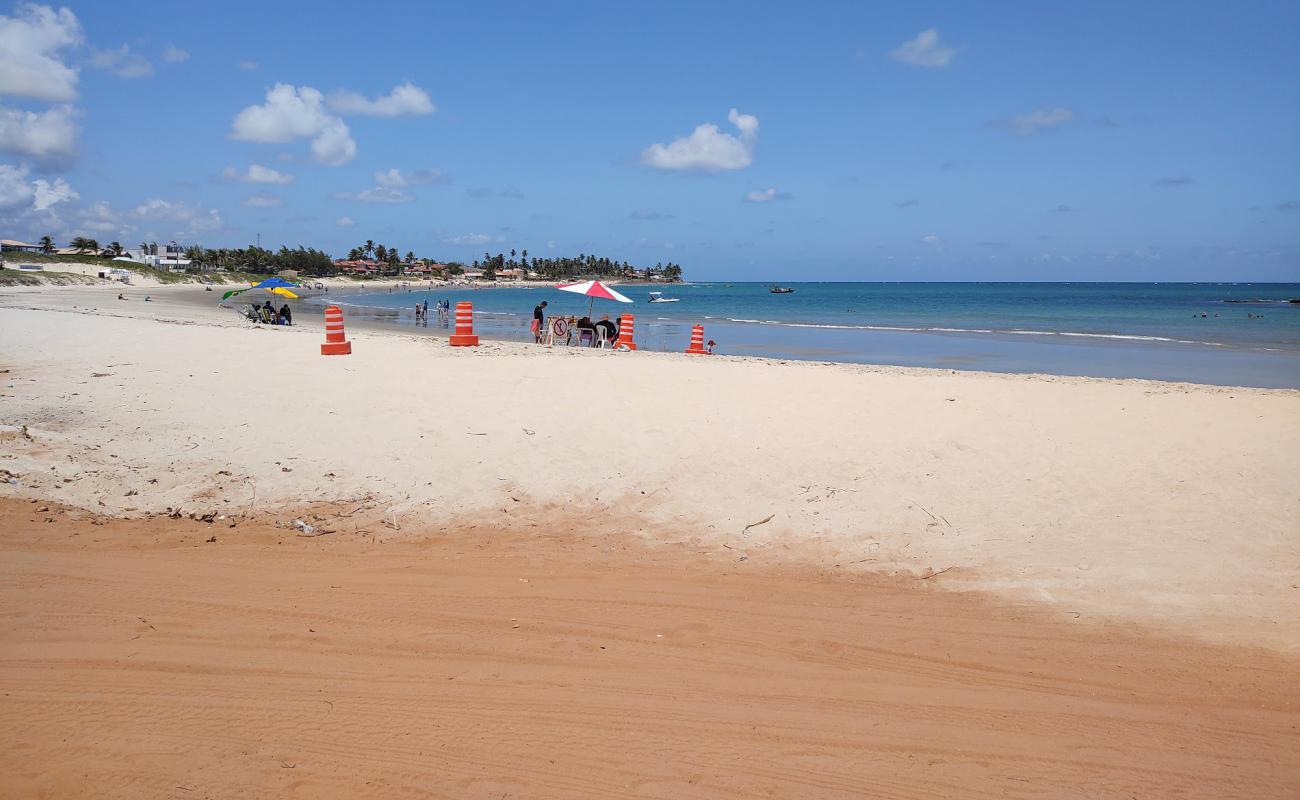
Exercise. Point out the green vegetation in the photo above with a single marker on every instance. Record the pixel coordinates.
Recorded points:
(252, 262)
(260, 261)
(12, 277)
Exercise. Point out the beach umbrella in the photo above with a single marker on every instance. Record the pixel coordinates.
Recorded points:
(273, 285)
(593, 290)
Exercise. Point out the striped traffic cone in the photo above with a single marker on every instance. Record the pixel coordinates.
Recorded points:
(697, 341)
(626, 327)
(336, 343)
(464, 335)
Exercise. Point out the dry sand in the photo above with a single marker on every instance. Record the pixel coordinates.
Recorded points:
(969, 584)
(143, 659)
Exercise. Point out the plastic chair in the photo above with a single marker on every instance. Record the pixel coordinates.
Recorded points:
(602, 338)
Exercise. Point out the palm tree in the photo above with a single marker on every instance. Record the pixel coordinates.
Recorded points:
(381, 252)
(80, 243)
(47, 244)
(115, 248)
(369, 248)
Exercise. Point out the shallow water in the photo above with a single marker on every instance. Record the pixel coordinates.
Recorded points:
(1233, 334)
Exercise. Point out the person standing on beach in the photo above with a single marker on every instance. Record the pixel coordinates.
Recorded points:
(539, 321)
(425, 313)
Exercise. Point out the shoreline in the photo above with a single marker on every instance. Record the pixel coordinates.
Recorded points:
(1011, 351)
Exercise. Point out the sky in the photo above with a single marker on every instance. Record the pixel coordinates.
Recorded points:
(745, 141)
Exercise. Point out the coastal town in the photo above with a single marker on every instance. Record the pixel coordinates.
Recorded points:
(368, 261)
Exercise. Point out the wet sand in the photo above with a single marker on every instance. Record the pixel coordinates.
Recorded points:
(143, 659)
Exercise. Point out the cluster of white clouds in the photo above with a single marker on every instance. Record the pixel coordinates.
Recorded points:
(31, 64)
(708, 149)
(291, 113)
(41, 52)
(18, 190)
(46, 137)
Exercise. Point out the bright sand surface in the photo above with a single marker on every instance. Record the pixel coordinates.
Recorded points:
(951, 573)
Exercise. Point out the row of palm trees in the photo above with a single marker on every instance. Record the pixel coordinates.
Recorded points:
(567, 267)
(381, 253)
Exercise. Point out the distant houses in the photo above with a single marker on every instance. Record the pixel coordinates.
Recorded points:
(15, 246)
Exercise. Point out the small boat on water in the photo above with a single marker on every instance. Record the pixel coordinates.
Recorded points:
(781, 289)
(658, 297)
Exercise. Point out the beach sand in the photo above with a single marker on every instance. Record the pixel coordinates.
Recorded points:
(869, 580)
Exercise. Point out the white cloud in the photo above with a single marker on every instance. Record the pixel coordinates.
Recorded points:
(263, 200)
(246, 65)
(1034, 121)
(291, 113)
(930, 239)
(924, 51)
(469, 239)
(345, 222)
(174, 55)
(384, 194)
(405, 99)
(189, 220)
(99, 217)
(121, 62)
(29, 45)
(708, 149)
(17, 192)
(49, 137)
(397, 179)
(764, 195)
(335, 145)
(256, 173)
(50, 194)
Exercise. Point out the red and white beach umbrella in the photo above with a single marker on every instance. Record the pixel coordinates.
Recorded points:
(593, 289)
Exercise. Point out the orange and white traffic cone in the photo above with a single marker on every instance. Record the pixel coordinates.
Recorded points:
(336, 343)
(697, 341)
(464, 335)
(626, 328)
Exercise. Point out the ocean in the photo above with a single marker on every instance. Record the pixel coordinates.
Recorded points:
(1219, 333)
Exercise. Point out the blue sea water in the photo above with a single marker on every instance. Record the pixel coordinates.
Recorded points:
(1235, 334)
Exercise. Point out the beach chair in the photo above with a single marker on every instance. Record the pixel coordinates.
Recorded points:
(602, 338)
(585, 337)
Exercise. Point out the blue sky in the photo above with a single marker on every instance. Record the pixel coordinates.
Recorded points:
(917, 141)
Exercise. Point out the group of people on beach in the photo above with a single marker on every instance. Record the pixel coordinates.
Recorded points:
(571, 330)
(442, 308)
(267, 315)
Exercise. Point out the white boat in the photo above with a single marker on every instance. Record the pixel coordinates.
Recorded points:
(658, 297)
